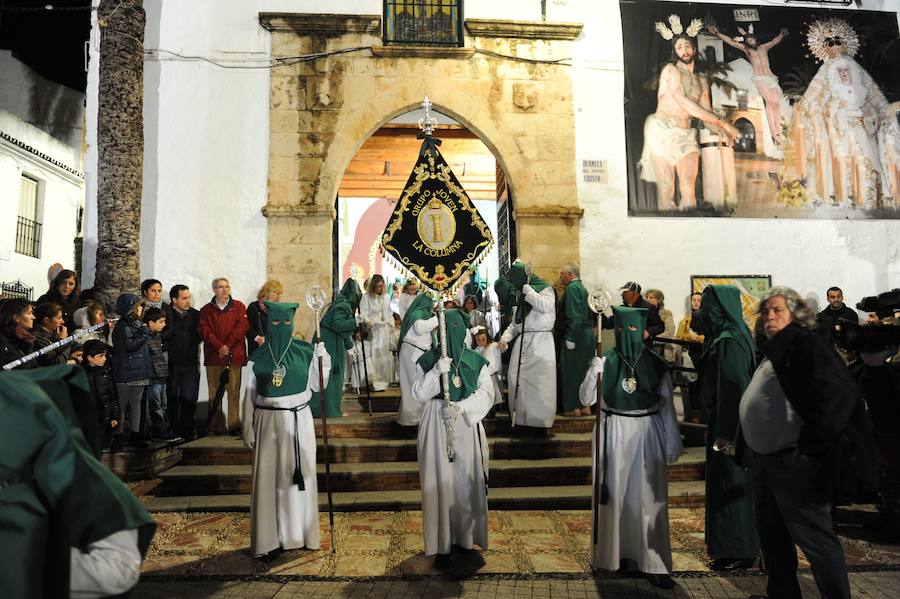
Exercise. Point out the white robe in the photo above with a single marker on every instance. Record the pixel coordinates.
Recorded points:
(376, 309)
(491, 353)
(454, 495)
(635, 523)
(357, 367)
(537, 396)
(111, 566)
(281, 515)
(416, 342)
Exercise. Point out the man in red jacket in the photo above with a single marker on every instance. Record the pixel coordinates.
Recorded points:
(223, 324)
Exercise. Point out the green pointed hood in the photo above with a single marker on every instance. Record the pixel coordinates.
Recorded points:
(630, 343)
(466, 363)
(722, 316)
(518, 278)
(351, 292)
(419, 309)
(631, 358)
(281, 349)
(506, 292)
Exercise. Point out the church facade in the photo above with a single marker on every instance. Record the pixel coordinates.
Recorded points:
(247, 141)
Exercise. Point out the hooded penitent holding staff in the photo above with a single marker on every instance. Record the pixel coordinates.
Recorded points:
(337, 326)
(454, 494)
(532, 362)
(415, 340)
(278, 427)
(639, 436)
(726, 367)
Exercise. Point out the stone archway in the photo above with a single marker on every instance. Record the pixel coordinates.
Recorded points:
(321, 112)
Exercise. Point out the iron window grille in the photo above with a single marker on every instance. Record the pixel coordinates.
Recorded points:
(423, 22)
(28, 237)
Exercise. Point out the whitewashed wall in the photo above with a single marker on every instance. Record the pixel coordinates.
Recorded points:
(205, 166)
(59, 196)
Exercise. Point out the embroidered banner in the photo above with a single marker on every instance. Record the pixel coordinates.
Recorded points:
(435, 231)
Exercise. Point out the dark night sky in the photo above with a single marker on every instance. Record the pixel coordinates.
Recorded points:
(50, 42)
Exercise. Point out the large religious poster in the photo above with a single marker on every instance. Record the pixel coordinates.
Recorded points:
(761, 111)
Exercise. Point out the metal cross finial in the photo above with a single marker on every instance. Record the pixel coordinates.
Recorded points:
(428, 123)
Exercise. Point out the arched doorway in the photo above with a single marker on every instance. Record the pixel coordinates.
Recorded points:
(746, 139)
(374, 180)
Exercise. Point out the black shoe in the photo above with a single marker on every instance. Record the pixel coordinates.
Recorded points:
(728, 564)
(442, 561)
(660, 581)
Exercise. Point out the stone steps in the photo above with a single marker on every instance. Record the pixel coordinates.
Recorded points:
(229, 450)
(382, 425)
(374, 468)
(688, 494)
(232, 479)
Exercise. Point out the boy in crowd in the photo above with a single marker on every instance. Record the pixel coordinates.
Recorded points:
(155, 320)
(103, 392)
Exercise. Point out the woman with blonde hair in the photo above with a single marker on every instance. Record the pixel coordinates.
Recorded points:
(256, 313)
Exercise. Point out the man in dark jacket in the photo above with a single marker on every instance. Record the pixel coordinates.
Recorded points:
(836, 310)
(183, 347)
(631, 297)
(792, 414)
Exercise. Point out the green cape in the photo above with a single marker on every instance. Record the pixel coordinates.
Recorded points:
(466, 362)
(727, 365)
(37, 473)
(577, 323)
(294, 354)
(649, 367)
(101, 504)
(419, 309)
(337, 326)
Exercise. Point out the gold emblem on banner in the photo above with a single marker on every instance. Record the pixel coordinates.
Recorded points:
(436, 225)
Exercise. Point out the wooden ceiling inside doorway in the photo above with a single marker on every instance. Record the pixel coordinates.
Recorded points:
(383, 163)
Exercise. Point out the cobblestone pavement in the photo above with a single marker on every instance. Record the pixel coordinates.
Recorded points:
(391, 544)
(531, 554)
(865, 584)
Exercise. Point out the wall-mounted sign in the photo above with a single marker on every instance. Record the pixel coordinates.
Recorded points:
(594, 171)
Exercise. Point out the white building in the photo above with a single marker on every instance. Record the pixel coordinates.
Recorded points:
(41, 194)
(207, 167)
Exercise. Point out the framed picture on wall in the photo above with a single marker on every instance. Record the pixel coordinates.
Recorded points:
(752, 288)
(790, 111)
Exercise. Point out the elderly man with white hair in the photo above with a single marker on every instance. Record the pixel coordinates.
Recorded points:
(798, 402)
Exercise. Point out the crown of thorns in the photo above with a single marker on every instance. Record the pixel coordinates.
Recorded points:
(828, 33)
(675, 28)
